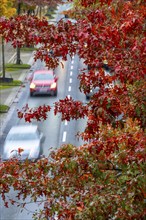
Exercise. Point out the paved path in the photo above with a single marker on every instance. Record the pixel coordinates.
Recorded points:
(11, 95)
(9, 52)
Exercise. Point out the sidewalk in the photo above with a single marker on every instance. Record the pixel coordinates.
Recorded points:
(11, 95)
(16, 75)
(9, 52)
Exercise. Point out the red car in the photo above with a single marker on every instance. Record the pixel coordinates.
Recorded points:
(43, 82)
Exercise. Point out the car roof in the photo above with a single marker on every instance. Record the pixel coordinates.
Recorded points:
(44, 72)
(23, 129)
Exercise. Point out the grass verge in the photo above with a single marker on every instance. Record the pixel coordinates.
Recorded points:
(4, 108)
(27, 49)
(14, 67)
(6, 85)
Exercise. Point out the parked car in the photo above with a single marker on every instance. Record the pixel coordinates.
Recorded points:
(25, 137)
(96, 89)
(43, 82)
(92, 92)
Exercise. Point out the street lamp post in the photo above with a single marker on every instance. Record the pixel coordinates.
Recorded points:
(3, 59)
(18, 59)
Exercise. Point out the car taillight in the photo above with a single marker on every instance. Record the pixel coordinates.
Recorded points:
(53, 85)
(32, 86)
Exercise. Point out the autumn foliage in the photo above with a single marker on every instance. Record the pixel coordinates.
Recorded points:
(6, 8)
(104, 178)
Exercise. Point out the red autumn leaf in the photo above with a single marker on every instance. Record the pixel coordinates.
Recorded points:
(20, 150)
(79, 208)
(6, 205)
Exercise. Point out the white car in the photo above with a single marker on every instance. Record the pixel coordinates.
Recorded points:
(25, 137)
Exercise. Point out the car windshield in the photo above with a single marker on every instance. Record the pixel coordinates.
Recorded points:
(22, 137)
(43, 76)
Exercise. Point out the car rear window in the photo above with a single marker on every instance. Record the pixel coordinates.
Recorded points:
(22, 136)
(44, 76)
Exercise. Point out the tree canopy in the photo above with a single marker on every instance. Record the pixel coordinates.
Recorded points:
(104, 178)
(6, 8)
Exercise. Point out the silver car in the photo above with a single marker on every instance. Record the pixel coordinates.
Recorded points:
(25, 137)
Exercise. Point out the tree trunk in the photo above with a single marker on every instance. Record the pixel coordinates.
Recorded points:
(40, 12)
(19, 8)
(18, 59)
(3, 59)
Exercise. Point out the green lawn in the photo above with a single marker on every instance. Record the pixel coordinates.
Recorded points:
(7, 85)
(27, 49)
(4, 108)
(15, 67)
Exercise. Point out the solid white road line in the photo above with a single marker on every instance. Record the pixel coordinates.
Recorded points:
(64, 136)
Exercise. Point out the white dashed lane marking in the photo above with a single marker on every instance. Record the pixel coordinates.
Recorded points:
(69, 88)
(64, 136)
